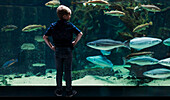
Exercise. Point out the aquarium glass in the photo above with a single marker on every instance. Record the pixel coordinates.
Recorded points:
(124, 42)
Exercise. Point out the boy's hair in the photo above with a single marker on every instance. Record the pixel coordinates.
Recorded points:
(63, 10)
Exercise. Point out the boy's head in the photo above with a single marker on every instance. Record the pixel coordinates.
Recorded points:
(63, 12)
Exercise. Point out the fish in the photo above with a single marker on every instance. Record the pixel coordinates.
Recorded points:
(39, 38)
(107, 44)
(133, 55)
(114, 13)
(151, 8)
(100, 60)
(160, 73)
(34, 27)
(140, 43)
(9, 63)
(27, 46)
(142, 61)
(142, 27)
(167, 42)
(9, 28)
(96, 2)
(53, 3)
(165, 62)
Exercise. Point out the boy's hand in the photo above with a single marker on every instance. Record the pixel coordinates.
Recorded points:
(74, 43)
(53, 48)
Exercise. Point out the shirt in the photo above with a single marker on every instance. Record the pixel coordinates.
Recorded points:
(62, 33)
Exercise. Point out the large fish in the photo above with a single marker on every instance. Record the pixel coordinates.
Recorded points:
(167, 42)
(100, 60)
(158, 73)
(144, 60)
(9, 63)
(142, 27)
(140, 43)
(165, 62)
(107, 44)
(34, 27)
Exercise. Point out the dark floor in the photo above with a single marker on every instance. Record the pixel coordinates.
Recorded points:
(86, 91)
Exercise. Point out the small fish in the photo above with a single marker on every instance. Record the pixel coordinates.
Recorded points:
(134, 55)
(53, 3)
(165, 62)
(140, 43)
(96, 2)
(158, 73)
(100, 60)
(142, 27)
(151, 8)
(167, 42)
(142, 61)
(9, 28)
(39, 38)
(27, 46)
(9, 63)
(107, 44)
(30, 28)
(114, 13)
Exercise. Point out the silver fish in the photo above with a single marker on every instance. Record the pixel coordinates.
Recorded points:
(167, 42)
(151, 8)
(114, 13)
(100, 60)
(140, 43)
(165, 62)
(143, 60)
(158, 73)
(107, 44)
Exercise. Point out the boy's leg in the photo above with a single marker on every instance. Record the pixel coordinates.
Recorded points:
(68, 69)
(59, 74)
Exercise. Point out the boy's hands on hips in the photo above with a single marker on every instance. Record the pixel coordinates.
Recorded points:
(53, 48)
(74, 43)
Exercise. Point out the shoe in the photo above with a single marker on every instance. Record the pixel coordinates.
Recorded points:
(71, 93)
(58, 93)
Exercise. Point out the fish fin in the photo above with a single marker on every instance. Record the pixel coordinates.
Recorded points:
(126, 43)
(44, 27)
(117, 49)
(124, 60)
(150, 23)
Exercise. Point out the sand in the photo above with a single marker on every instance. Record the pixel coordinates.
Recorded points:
(89, 80)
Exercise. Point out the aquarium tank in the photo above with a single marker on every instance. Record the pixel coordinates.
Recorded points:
(124, 42)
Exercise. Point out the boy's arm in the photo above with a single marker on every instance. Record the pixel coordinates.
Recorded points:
(77, 38)
(48, 42)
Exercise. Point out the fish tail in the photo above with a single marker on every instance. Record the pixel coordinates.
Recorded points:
(126, 43)
(150, 23)
(44, 27)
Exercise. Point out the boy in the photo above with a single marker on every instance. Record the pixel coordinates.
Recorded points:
(62, 35)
